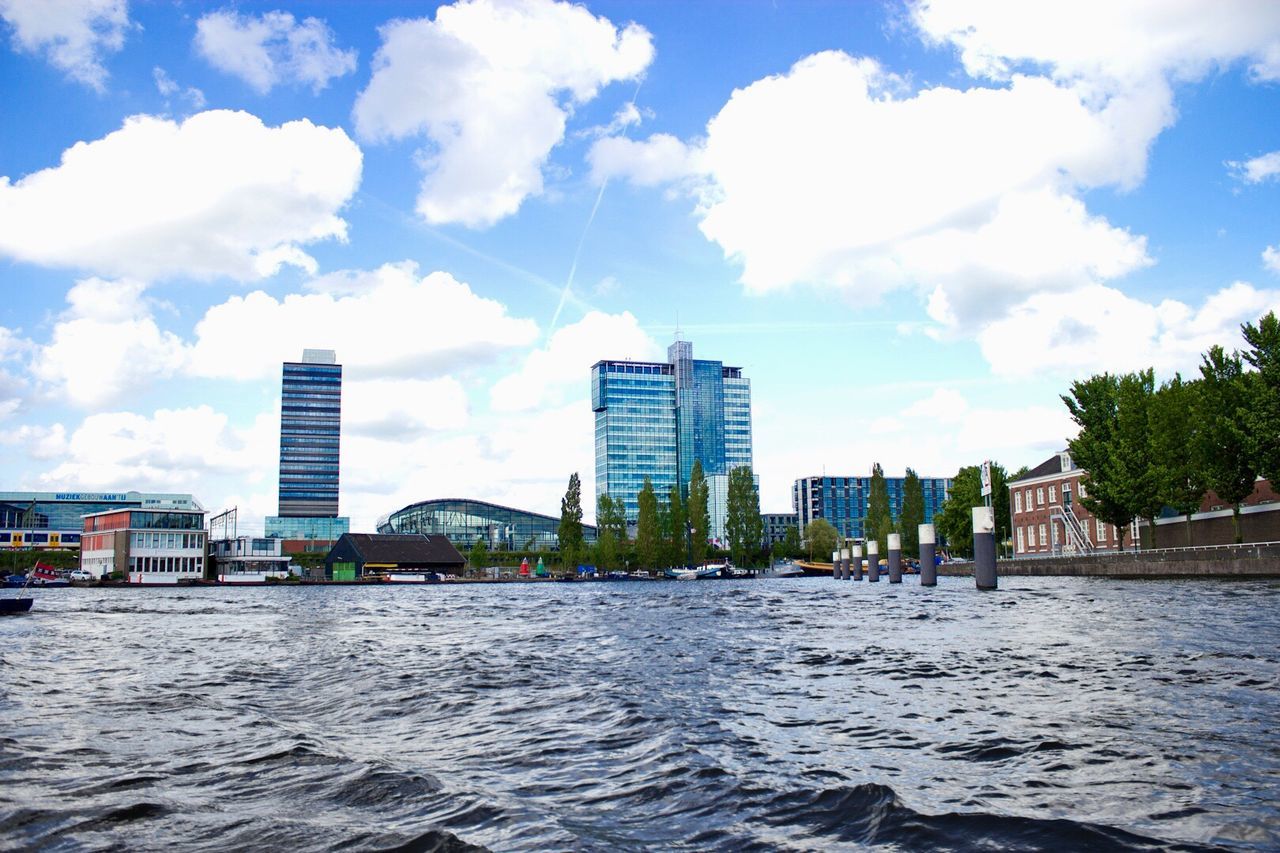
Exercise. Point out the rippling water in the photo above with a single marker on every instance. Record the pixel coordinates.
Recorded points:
(772, 714)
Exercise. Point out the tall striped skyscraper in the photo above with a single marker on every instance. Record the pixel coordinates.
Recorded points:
(310, 427)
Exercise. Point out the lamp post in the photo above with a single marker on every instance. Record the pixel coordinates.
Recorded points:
(690, 541)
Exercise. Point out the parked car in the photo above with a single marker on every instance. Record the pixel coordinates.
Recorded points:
(81, 575)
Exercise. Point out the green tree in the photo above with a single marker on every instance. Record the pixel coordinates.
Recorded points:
(606, 550)
(1094, 404)
(1174, 442)
(1264, 394)
(743, 526)
(1225, 443)
(879, 521)
(648, 536)
(1133, 446)
(821, 538)
(698, 512)
(912, 515)
(479, 556)
(791, 542)
(570, 532)
(678, 523)
(954, 523)
(611, 515)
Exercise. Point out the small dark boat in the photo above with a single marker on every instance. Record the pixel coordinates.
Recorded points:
(15, 605)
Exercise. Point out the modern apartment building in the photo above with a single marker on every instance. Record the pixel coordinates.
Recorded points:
(776, 524)
(310, 434)
(56, 519)
(653, 419)
(842, 500)
(155, 547)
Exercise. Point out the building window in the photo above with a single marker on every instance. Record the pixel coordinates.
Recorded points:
(1053, 495)
(1042, 542)
(1021, 547)
(1083, 493)
(1040, 497)
(1102, 530)
(1017, 501)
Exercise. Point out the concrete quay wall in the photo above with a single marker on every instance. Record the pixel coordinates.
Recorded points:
(1235, 561)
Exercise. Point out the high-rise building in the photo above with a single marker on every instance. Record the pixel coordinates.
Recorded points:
(653, 419)
(843, 500)
(310, 430)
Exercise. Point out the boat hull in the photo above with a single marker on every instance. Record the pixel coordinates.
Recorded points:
(15, 605)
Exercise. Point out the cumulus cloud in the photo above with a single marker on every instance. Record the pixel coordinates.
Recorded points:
(394, 409)
(219, 194)
(567, 358)
(1098, 328)
(491, 85)
(395, 323)
(1112, 45)
(172, 450)
(106, 343)
(73, 35)
(660, 159)
(1258, 169)
(273, 48)
(1271, 258)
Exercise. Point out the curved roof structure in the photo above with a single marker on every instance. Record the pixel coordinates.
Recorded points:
(464, 520)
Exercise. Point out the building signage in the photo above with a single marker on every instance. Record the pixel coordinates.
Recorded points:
(986, 479)
(89, 496)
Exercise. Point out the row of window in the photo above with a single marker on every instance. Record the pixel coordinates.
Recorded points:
(166, 540)
(1024, 496)
(167, 565)
(1036, 535)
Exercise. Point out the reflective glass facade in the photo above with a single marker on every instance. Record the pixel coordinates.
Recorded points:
(653, 420)
(464, 521)
(56, 519)
(843, 500)
(306, 527)
(310, 423)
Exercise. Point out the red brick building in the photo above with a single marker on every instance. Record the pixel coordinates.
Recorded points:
(1047, 518)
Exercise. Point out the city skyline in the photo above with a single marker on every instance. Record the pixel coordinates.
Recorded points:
(911, 225)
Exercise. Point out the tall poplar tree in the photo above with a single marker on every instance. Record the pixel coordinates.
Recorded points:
(648, 537)
(698, 512)
(611, 515)
(1132, 459)
(570, 532)
(743, 525)
(879, 522)
(678, 544)
(1174, 439)
(912, 515)
(1094, 405)
(1225, 443)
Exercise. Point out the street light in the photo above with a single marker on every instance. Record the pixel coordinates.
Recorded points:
(690, 540)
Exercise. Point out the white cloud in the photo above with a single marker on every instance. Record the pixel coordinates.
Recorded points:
(566, 360)
(660, 159)
(1097, 329)
(72, 34)
(1107, 44)
(271, 49)
(823, 176)
(1258, 169)
(403, 408)
(384, 323)
(1271, 258)
(168, 87)
(171, 451)
(106, 343)
(219, 194)
(491, 85)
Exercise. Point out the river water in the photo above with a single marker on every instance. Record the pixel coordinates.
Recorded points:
(1056, 713)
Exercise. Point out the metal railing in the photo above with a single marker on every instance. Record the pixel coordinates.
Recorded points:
(1077, 536)
(1185, 549)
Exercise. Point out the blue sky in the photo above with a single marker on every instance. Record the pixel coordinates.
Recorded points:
(913, 224)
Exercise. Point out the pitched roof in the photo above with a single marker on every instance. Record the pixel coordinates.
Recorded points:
(404, 548)
(1052, 465)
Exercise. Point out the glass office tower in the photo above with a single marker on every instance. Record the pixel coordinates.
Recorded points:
(310, 422)
(654, 419)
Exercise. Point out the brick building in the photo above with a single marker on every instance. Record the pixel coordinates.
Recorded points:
(1047, 518)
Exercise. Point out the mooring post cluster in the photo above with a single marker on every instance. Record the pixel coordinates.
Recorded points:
(846, 562)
